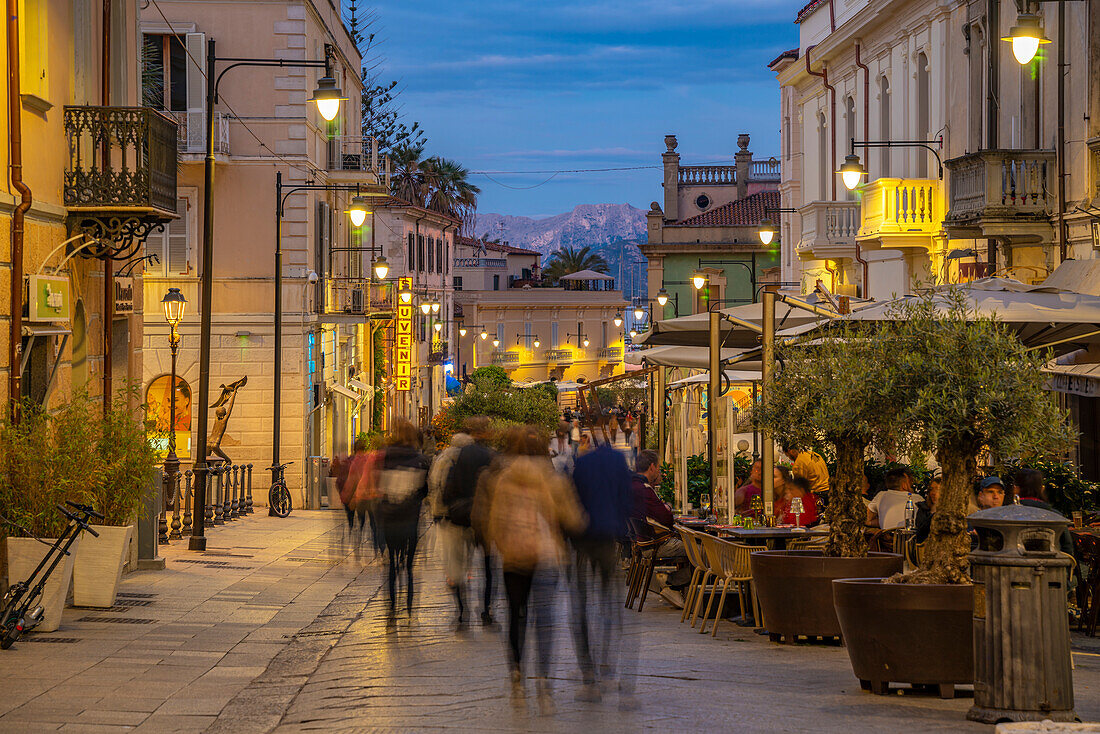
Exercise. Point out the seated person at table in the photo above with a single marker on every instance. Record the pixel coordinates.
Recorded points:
(797, 487)
(744, 494)
(809, 466)
(887, 508)
(649, 506)
(1032, 493)
(991, 493)
(925, 508)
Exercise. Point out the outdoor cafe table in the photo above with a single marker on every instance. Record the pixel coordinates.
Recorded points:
(775, 538)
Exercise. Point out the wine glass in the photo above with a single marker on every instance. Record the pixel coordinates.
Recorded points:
(704, 505)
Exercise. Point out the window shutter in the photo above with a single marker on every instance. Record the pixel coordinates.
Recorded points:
(196, 92)
(178, 241)
(410, 266)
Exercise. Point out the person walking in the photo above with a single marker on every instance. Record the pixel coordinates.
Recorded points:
(402, 487)
(561, 449)
(458, 501)
(454, 539)
(603, 484)
(528, 508)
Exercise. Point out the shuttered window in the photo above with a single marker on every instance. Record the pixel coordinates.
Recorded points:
(173, 246)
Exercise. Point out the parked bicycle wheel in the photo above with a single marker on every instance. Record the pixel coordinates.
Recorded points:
(278, 499)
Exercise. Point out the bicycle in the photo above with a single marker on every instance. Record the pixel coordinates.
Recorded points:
(21, 611)
(278, 497)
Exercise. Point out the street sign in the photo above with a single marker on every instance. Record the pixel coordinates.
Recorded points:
(403, 347)
(50, 299)
(124, 295)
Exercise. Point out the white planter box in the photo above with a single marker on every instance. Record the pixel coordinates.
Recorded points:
(24, 554)
(99, 564)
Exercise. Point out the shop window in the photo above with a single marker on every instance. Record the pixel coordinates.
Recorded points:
(158, 412)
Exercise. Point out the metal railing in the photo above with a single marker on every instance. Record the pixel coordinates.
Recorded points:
(228, 498)
(496, 263)
(348, 296)
(352, 153)
(120, 158)
(1001, 182)
(191, 132)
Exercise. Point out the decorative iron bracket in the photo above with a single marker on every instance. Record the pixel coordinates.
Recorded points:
(117, 235)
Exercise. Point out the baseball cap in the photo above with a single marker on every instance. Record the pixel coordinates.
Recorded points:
(990, 481)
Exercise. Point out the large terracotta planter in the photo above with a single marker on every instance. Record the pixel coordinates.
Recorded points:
(796, 593)
(98, 567)
(921, 634)
(24, 555)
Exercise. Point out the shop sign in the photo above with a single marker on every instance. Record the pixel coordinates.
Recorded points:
(403, 348)
(124, 295)
(1084, 385)
(50, 299)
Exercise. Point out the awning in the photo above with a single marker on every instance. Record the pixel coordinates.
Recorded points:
(1078, 276)
(692, 357)
(733, 376)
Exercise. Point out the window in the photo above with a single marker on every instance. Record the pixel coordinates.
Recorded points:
(496, 282)
(439, 256)
(164, 72)
(34, 48)
(924, 119)
(500, 333)
(884, 122)
(431, 254)
(412, 253)
(458, 282)
(702, 201)
(420, 252)
(822, 158)
(173, 246)
(553, 334)
(603, 334)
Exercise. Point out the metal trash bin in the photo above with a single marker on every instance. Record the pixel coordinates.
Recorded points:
(1022, 666)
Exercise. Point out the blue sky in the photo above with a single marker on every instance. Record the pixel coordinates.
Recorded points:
(502, 85)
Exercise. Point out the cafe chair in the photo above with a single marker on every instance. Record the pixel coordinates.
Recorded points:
(713, 559)
(737, 569)
(699, 570)
(643, 559)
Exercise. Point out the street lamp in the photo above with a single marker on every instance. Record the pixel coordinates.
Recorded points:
(618, 319)
(438, 326)
(484, 335)
(662, 298)
(633, 333)
(585, 342)
(639, 313)
(406, 296)
(1026, 37)
(537, 343)
(358, 210)
(462, 331)
(698, 280)
(327, 97)
(767, 231)
(435, 306)
(496, 343)
(382, 268)
(852, 170)
(425, 308)
(174, 306)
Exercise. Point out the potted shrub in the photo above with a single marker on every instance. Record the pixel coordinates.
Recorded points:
(127, 471)
(967, 385)
(828, 392)
(45, 459)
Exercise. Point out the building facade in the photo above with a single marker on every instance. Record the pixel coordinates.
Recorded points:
(981, 194)
(536, 333)
(709, 224)
(264, 125)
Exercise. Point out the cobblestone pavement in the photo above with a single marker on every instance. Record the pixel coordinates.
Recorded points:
(287, 635)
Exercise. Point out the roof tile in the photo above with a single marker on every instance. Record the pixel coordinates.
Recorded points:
(747, 212)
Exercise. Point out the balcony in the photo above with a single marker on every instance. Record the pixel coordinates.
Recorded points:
(355, 156)
(353, 297)
(191, 133)
(829, 229)
(492, 263)
(707, 175)
(900, 213)
(559, 357)
(1007, 194)
(766, 171)
(610, 354)
(507, 360)
(437, 354)
(121, 179)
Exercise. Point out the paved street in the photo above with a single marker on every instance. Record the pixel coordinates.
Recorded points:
(279, 628)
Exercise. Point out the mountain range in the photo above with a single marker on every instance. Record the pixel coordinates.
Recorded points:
(612, 230)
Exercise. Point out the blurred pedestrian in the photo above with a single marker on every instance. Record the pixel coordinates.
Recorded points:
(561, 449)
(361, 487)
(529, 506)
(458, 500)
(454, 539)
(603, 484)
(402, 487)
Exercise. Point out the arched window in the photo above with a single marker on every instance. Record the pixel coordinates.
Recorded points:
(924, 118)
(823, 158)
(158, 410)
(884, 123)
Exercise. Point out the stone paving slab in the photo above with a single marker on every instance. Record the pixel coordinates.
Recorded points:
(207, 640)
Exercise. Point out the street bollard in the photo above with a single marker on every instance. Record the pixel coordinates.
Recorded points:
(188, 521)
(219, 508)
(162, 520)
(235, 505)
(176, 524)
(1022, 669)
(249, 501)
(227, 490)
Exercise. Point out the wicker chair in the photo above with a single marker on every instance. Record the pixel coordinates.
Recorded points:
(737, 570)
(699, 576)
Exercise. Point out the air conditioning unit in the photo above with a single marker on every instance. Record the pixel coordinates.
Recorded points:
(358, 300)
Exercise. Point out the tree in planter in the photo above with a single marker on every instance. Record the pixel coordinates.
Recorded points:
(128, 463)
(969, 386)
(831, 391)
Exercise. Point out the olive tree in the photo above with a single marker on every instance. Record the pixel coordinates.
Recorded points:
(831, 390)
(967, 385)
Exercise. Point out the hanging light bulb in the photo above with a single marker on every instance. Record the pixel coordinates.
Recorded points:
(852, 171)
(1026, 37)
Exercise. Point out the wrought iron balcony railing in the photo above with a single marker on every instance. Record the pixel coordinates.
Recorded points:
(121, 158)
(356, 297)
(191, 133)
(352, 153)
(1001, 183)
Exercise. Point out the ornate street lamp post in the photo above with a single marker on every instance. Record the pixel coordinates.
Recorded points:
(174, 306)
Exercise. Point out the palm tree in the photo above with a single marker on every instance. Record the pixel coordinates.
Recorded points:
(408, 179)
(449, 190)
(569, 260)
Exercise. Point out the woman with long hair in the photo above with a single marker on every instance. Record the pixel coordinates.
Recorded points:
(402, 485)
(530, 506)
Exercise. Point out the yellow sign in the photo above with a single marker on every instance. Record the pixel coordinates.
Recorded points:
(403, 348)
